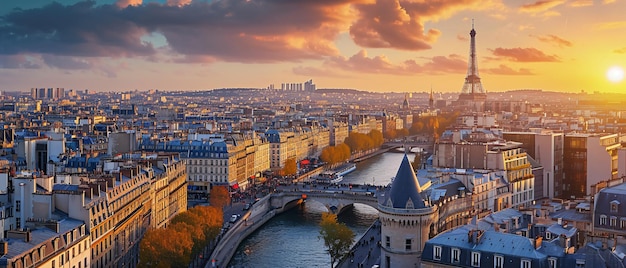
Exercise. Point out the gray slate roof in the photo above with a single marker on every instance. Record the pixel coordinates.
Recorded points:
(405, 188)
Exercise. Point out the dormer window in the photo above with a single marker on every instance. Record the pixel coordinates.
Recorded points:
(614, 206)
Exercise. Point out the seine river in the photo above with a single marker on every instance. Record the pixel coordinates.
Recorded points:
(291, 238)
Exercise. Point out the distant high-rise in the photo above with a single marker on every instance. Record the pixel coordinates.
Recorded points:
(473, 92)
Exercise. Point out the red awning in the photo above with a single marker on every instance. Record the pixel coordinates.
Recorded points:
(235, 186)
(305, 162)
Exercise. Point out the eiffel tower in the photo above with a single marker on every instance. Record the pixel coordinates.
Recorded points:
(473, 90)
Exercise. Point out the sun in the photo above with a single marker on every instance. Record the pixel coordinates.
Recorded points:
(615, 74)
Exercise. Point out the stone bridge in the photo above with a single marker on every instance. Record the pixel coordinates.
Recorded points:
(334, 201)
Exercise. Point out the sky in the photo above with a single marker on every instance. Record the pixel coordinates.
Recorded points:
(372, 45)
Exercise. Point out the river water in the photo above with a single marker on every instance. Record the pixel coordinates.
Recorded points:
(291, 238)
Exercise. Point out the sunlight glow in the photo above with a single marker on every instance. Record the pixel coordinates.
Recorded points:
(615, 74)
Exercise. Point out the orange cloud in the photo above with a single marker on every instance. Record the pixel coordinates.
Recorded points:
(386, 24)
(505, 70)
(126, 3)
(581, 3)
(524, 55)
(541, 6)
(555, 40)
(461, 37)
(362, 63)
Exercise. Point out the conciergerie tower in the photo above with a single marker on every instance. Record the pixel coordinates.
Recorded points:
(473, 94)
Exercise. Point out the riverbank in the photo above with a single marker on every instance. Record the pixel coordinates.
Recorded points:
(369, 155)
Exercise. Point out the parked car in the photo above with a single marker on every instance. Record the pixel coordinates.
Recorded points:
(234, 217)
(246, 206)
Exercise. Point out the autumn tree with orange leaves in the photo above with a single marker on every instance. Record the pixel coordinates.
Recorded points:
(185, 236)
(219, 196)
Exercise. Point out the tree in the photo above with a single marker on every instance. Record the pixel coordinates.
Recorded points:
(290, 167)
(219, 196)
(337, 237)
(417, 161)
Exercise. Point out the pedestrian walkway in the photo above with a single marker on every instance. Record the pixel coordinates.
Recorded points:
(366, 252)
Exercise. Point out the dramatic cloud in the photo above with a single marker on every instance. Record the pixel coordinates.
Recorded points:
(555, 40)
(524, 55)
(400, 24)
(387, 24)
(505, 70)
(76, 30)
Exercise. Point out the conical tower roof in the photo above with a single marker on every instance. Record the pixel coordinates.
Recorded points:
(405, 190)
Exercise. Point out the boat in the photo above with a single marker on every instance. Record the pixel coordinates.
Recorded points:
(335, 176)
(329, 178)
(345, 169)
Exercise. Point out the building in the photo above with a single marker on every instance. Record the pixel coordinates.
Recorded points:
(609, 213)
(407, 220)
(546, 148)
(121, 201)
(587, 160)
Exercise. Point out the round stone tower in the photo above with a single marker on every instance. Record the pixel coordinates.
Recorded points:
(408, 221)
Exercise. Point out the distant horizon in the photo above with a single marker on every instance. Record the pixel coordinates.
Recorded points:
(350, 89)
(372, 45)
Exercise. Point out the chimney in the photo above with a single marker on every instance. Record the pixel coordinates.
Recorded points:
(4, 247)
(22, 206)
(538, 242)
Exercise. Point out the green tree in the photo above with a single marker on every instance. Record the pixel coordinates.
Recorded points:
(337, 237)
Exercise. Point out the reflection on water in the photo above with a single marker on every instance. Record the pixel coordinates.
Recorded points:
(377, 170)
(291, 238)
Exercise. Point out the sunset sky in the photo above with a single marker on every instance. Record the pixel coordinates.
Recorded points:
(373, 45)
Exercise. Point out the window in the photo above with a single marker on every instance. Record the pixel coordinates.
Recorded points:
(454, 256)
(622, 223)
(476, 259)
(387, 241)
(437, 253)
(602, 219)
(408, 244)
(552, 262)
(498, 261)
(17, 205)
(613, 221)
(580, 263)
(18, 222)
(614, 206)
(525, 264)
(53, 264)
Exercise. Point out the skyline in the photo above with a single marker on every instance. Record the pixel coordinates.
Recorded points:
(379, 46)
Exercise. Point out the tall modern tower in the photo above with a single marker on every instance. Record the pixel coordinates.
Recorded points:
(473, 90)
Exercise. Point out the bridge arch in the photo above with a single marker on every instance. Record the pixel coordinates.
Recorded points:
(335, 202)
